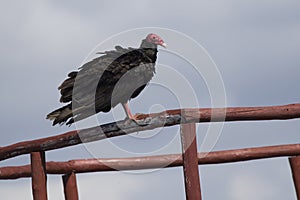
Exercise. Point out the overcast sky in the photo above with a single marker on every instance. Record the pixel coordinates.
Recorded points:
(255, 45)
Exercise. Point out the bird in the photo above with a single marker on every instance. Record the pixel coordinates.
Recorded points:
(113, 78)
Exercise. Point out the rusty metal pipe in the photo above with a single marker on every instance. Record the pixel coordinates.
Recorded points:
(70, 186)
(190, 162)
(295, 167)
(147, 122)
(149, 162)
(39, 178)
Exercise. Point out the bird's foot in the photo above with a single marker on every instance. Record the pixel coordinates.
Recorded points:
(133, 118)
(138, 116)
(137, 119)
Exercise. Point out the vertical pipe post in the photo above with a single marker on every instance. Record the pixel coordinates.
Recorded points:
(38, 175)
(70, 186)
(190, 161)
(295, 167)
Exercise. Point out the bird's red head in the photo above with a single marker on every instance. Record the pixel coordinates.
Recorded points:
(155, 39)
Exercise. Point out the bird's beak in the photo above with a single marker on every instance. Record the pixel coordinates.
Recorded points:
(164, 45)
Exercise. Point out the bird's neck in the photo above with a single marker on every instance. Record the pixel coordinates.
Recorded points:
(145, 45)
(149, 48)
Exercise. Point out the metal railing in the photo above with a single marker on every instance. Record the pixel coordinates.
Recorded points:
(189, 159)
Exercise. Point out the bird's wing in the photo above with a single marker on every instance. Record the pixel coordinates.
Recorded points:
(89, 73)
(101, 85)
(92, 86)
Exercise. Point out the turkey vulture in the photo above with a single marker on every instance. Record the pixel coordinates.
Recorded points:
(99, 85)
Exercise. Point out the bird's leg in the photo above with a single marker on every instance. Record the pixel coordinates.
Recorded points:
(132, 117)
(128, 111)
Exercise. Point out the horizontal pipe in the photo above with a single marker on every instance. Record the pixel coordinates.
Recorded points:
(151, 121)
(151, 162)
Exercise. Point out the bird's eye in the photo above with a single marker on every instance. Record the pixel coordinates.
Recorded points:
(153, 37)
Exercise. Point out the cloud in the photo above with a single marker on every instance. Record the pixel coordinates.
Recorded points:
(9, 187)
(112, 186)
(249, 186)
(262, 179)
(43, 36)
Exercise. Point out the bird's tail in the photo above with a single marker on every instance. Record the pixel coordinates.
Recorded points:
(61, 115)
